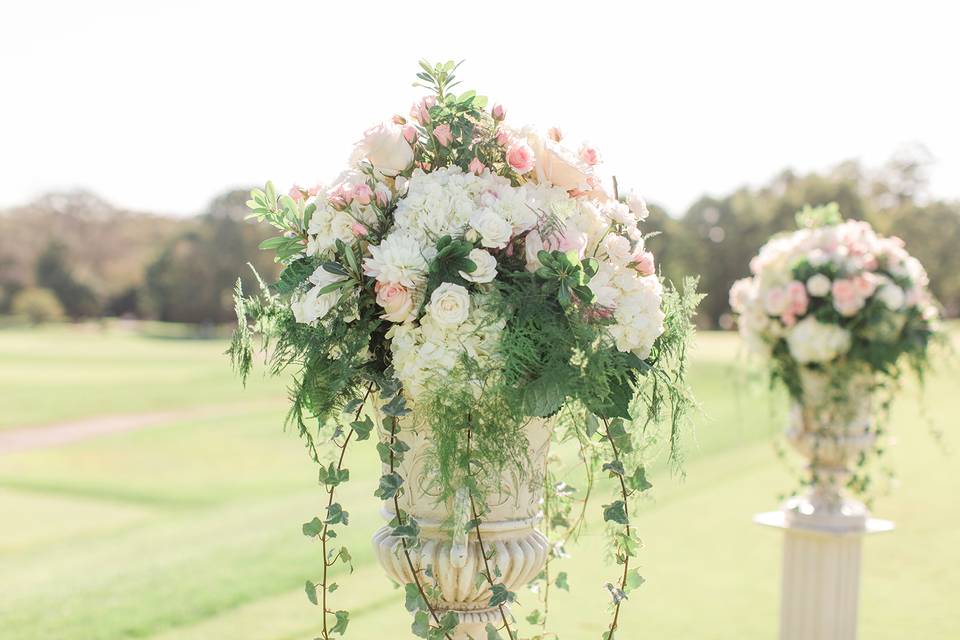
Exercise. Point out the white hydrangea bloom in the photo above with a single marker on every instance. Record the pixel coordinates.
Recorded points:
(813, 341)
(399, 259)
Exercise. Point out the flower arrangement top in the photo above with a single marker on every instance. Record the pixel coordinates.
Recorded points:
(470, 277)
(836, 297)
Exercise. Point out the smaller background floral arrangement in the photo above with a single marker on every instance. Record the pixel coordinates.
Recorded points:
(836, 298)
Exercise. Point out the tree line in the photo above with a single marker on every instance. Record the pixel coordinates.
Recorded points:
(73, 255)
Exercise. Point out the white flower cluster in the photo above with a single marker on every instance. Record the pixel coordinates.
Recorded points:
(832, 272)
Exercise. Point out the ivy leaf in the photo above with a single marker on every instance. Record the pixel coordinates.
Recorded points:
(617, 432)
(638, 481)
(333, 587)
(615, 468)
(390, 484)
(561, 581)
(397, 407)
(312, 528)
(311, 590)
(346, 557)
(343, 619)
(500, 595)
(353, 405)
(448, 622)
(492, 633)
(616, 512)
(362, 428)
(535, 617)
(413, 601)
(421, 624)
(634, 580)
(336, 515)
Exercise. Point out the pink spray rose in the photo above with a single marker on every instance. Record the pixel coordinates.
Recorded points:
(644, 264)
(503, 137)
(846, 300)
(797, 292)
(362, 194)
(358, 230)
(420, 111)
(409, 133)
(520, 157)
(865, 285)
(476, 167)
(499, 113)
(382, 195)
(396, 301)
(442, 134)
(589, 154)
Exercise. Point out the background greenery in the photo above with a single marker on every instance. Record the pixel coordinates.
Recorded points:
(96, 260)
(190, 530)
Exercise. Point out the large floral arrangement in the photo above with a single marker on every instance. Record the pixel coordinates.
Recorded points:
(839, 307)
(470, 276)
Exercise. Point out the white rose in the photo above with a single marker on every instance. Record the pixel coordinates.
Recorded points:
(637, 205)
(892, 296)
(386, 149)
(556, 164)
(449, 305)
(812, 341)
(312, 306)
(486, 269)
(495, 232)
(818, 285)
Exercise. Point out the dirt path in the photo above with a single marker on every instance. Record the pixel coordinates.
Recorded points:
(17, 439)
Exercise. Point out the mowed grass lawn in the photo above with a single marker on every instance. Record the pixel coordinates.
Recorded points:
(191, 530)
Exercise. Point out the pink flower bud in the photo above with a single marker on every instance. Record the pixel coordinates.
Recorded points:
(499, 113)
(476, 167)
(296, 193)
(589, 154)
(644, 264)
(442, 134)
(503, 137)
(410, 133)
(358, 230)
(398, 119)
(555, 134)
(362, 194)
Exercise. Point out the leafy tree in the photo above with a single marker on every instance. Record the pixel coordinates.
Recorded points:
(53, 272)
(37, 305)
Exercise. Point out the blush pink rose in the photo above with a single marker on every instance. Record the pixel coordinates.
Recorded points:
(362, 194)
(296, 193)
(503, 137)
(396, 300)
(520, 157)
(865, 286)
(589, 154)
(420, 111)
(382, 195)
(476, 167)
(797, 292)
(644, 264)
(776, 302)
(443, 135)
(846, 300)
(409, 133)
(358, 230)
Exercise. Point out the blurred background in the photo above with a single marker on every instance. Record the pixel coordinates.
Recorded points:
(145, 494)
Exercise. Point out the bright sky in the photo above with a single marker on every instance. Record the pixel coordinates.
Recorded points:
(161, 105)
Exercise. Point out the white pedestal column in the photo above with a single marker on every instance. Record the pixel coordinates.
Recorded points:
(821, 573)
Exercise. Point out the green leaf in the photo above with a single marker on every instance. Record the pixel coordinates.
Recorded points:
(413, 601)
(449, 622)
(293, 275)
(634, 580)
(543, 396)
(313, 528)
(590, 266)
(333, 587)
(362, 428)
(617, 433)
(421, 624)
(397, 407)
(561, 581)
(492, 633)
(336, 514)
(616, 512)
(390, 484)
(343, 619)
(615, 468)
(500, 595)
(535, 617)
(638, 481)
(311, 590)
(335, 268)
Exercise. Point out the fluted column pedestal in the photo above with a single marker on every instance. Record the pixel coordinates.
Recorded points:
(821, 573)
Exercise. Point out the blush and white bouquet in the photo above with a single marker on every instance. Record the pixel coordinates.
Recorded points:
(837, 298)
(469, 276)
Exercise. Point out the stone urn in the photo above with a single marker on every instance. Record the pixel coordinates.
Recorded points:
(448, 558)
(830, 426)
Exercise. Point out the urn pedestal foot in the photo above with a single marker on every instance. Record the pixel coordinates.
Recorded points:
(821, 570)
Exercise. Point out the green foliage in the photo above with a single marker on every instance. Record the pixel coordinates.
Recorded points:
(37, 306)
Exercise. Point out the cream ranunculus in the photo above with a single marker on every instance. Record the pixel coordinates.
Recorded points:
(449, 305)
(386, 148)
(558, 165)
(486, 269)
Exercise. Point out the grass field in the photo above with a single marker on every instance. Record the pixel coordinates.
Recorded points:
(190, 530)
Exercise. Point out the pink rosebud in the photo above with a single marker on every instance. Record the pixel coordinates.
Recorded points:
(644, 264)
(499, 113)
(476, 167)
(382, 194)
(362, 194)
(420, 111)
(314, 190)
(520, 157)
(442, 134)
(358, 229)
(589, 154)
(503, 137)
(409, 133)
(398, 119)
(555, 134)
(797, 292)
(296, 193)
